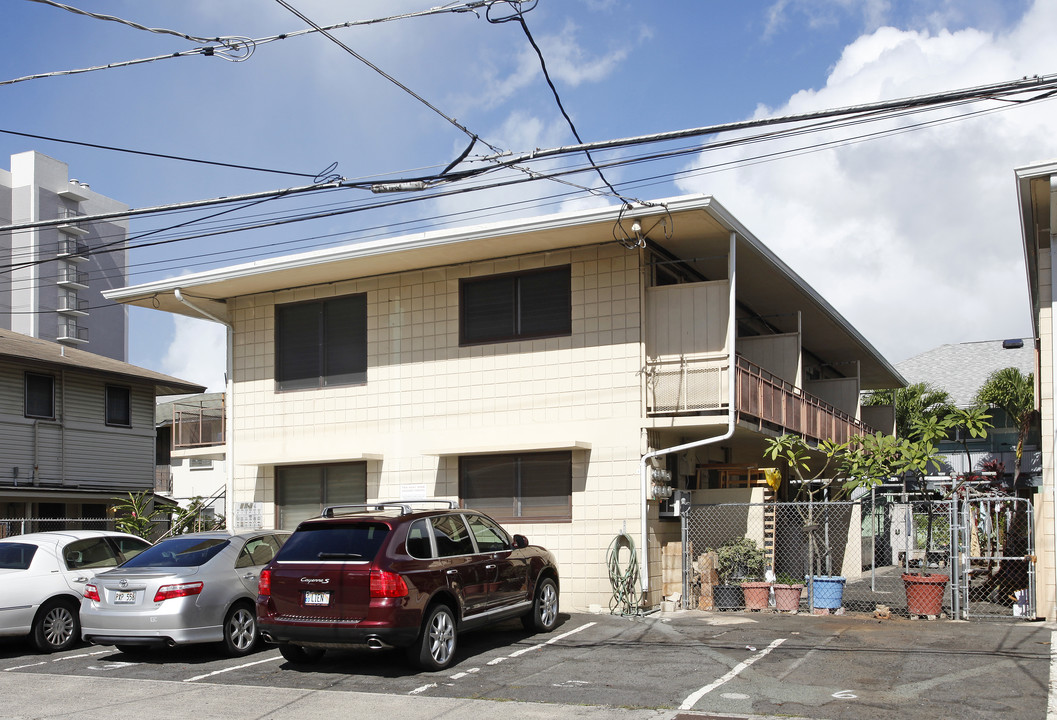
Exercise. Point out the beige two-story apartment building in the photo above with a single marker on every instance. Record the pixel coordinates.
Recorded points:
(552, 371)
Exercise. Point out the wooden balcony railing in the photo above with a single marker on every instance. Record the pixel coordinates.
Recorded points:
(767, 399)
(699, 386)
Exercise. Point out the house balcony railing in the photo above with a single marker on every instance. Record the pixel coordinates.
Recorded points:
(195, 426)
(698, 386)
(71, 219)
(72, 249)
(163, 479)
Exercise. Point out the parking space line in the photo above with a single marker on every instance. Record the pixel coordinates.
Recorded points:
(19, 667)
(692, 699)
(555, 639)
(236, 667)
(517, 653)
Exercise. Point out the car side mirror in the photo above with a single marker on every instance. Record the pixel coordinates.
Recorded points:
(520, 541)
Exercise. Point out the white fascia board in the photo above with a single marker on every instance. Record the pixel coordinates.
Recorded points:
(438, 238)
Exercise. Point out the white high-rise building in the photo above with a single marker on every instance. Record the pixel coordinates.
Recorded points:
(52, 277)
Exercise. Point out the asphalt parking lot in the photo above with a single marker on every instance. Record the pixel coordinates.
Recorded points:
(658, 666)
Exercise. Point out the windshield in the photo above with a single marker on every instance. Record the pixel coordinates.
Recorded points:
(16, 556)
(179, 552)
(353, 542)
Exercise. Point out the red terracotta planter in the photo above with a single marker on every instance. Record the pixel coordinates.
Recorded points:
(757, 595)
(925, 593)
(787, 597)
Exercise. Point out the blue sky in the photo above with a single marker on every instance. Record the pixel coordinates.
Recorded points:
(913, 236)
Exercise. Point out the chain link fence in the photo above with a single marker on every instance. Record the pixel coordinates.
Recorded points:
(10, 527)
(883, 556)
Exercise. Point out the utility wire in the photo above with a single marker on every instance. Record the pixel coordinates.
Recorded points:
(129, 23)
(237, 49)
(163, 156)
(518, 16)
(430, 222)
(856, 120)
(384, 74)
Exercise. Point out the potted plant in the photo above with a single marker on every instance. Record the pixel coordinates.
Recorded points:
(741, 561)
(787, 593)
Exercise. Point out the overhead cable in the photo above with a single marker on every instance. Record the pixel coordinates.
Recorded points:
(518, 16)
(936, 100)
(239, 48)
(383, 73)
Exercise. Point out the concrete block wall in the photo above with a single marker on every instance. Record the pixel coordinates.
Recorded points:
(426, 398)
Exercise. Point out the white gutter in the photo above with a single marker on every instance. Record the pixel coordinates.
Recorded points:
(644, 573)
(1052, 614)
(229, 403)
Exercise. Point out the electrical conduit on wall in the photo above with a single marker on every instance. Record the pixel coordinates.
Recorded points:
(644, 467)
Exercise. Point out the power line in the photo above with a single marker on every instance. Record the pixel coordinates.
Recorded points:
(234, 48)
(163, 156)
(384, 74)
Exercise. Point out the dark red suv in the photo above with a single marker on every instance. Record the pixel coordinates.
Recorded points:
(395, 574)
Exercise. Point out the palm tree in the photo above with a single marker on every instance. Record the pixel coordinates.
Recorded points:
(913, 404)
(1009, 390)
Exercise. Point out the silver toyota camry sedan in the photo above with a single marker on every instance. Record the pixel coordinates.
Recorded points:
(194, 588)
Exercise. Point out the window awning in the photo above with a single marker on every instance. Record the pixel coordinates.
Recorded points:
(498, 449)
(286, 458)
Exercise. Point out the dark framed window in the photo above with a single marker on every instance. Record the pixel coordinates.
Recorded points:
(302, 491)
(525, 487)
(515, 306)
(321, 343)
(40, 396)
(118, 406)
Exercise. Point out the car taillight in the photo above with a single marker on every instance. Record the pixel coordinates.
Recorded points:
(385, 584)
(264, 583)
(167, 592)
(91, 592)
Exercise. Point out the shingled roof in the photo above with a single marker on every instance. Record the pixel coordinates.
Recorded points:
(961, 369)
(47, 354)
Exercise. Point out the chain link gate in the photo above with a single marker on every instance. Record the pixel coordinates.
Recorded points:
(964, 560)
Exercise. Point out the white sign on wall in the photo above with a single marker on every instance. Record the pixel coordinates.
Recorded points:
(249, 515)
(416, 491)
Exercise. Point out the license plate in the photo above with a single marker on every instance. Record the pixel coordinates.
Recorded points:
(124, 597)
(317, 598)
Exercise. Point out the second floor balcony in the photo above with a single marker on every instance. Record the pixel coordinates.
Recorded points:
(198, 425)
(700, 387)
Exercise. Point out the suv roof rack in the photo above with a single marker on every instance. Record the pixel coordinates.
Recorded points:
(404, 506)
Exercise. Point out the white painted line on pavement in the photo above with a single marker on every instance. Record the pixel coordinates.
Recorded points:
(522, 651)
(237, 667)
(1051, 700)
(19, 667)
(690, 701)
(555, 639)
(82, 655)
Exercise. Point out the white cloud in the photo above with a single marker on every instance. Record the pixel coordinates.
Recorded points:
(197, 352)
(913, 237)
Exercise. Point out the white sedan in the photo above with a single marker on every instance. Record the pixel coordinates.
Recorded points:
(42, 578)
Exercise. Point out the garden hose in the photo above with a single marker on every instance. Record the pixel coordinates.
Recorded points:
(627, 598)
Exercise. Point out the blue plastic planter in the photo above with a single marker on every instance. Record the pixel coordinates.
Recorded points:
(829, 591)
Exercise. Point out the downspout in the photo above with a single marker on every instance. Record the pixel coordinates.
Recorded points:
(644, 577)
(1052, 611)
(229, 404)
(62, 427)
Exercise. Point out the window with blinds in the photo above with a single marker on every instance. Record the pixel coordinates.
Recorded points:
(302, 491)
(526, 487)
(515, 306)
(321, 343)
